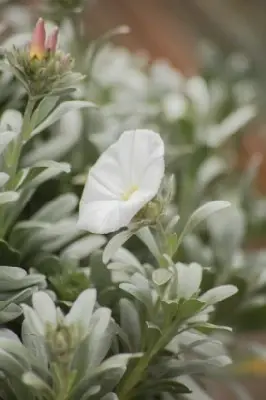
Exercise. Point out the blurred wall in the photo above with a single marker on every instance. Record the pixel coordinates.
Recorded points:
(154, 29)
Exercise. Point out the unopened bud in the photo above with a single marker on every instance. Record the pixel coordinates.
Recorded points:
(37, 45)
(52, 41)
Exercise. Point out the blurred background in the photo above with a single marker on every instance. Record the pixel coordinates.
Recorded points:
(175, 30)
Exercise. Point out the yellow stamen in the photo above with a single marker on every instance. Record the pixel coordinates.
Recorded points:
(126, 196)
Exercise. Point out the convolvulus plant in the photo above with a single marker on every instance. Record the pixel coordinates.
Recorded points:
(142, 318)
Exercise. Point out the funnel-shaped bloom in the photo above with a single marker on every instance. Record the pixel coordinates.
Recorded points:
(124, 179)
(37, 46)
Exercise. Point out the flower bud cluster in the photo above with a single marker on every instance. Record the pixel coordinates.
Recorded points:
(41, 67)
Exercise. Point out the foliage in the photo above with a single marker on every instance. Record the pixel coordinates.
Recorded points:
(148, 313)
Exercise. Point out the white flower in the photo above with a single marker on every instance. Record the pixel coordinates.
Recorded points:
(125, 178)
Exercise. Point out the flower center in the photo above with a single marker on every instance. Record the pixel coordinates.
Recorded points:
(126, 196)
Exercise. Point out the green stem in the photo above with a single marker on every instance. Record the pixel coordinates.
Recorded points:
(22, 138)
(162, 237)
(137, 374)
(13, 161)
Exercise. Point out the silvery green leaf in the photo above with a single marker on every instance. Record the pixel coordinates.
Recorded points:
(34, 343)
(11, 365)
(9, 313)
(8, 197)
(170, 386)
(154, 333)
(58, 113)
(140, 289)
(34, 381)
(11, 119)
(43, 109)
(172, 224)
(110, 396)
(114, 244)
(207, 327)
(61, 141)
(203, 316)
(188, 279)
(49, 236)
(189, 309)
(5, 138)
(34, 323)
(161, 276)
(210, 169)
(195, 250)
(63, 233)
(11, 273)
(174, 106)
(145, 235)
(8, 334)
(130, 324)
(16, 298)
(137, 294)
(100, 337)
(197, 392)
(9, 283)
(43, 171)
(231, 125)
(24, 230)
(16, 350)
(201, 214)
(125, 256)
(218, 294)
(57, 209)
(90, 393)
(82, 248)
(44, 307)
(197, 90)
(3, 178)
(107, 375)
(117, 361)
(227, 230)
(200, 343)
(82, 309)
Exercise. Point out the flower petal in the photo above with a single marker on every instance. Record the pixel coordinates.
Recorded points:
(141, 159)
(44, 307)
(125, 178)
(103, 217)
(104, 180)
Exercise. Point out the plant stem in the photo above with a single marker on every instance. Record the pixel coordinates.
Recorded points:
(137, 374)
(13, 162)
(22, 138)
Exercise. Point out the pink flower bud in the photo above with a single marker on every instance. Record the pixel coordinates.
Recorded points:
(52, 40)
(37, 46)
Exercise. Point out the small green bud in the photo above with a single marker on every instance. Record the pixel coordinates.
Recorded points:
(62, 341)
